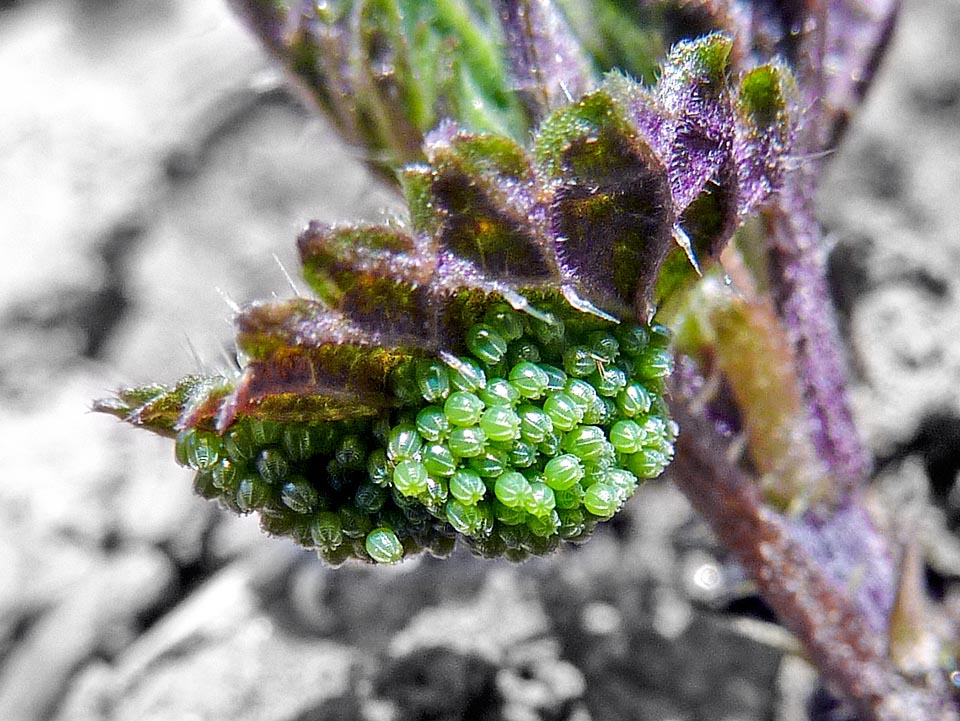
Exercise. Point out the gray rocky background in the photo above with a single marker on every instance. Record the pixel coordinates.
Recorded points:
(153, 169)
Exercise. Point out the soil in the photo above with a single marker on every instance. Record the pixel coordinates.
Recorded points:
(155, 170)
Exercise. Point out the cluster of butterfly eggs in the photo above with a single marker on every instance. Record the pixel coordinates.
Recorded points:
(533, 437)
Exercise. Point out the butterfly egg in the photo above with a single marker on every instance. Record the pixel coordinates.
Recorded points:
(508, 515)
(486, 344)
(239, 444)
(556, 378)
(226, 475)
(410, 477)
(604, 345)
(325, 530)
(297, 442)
(568, 498)
(463, 409)
(602, 500)
(403, 443)
(299, 496)
(535, 424)
(523, 350)
(522, 454)
(435, 495)
(403, 383)
(500, 423)
(579, 361)
(199, 450)
(647, 463)
(543, 525)
(499, 392)
(513, 490)
(659, 335)
(464, 518)
(505, 321)
(551, 445)
(627, 436)
(623, 480)
(272, 465)
(582, 393)
(549, 330)
(633, 400)
(653, 363)
(596, 413)
(609, 381)
(204, 486)
(585, 442)
(355, 523)
(633, 339)
(252, 493)
(467, 486)
(467, 442)
(542, 500)
(438, 460)
(564, 413)
(529, 379)
(466, 375)
(383, 546)
(563, 472)
(378, 468)
(571, 522)
(432, 380)
(370, 498)
(432, 423)
(265, 433)
(351, 453)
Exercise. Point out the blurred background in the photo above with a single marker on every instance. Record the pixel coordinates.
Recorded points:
(154, 169)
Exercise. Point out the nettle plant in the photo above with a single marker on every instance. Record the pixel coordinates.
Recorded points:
(611, 265)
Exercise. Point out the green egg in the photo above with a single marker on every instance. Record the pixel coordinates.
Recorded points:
(404, 443)
(585, 442)
(410, 477)
(351, 453)
(370, 498)
(466, 375)
(204, 486)
(623, 480)
(435, 495)
(226, 475)
(272, 465)
(201, 450)
(523, 350)
(325, 531)
(464, 518)
(509, 516)
(252, 493)
(660, 335)
(378, 468)
(383, 545)
(633, 400)
(463, 409)
(297, 442)
(596, 413)
(604, 345)
(602, 500)
(548, 331)
(238, 443)
(633, 339)
(522, 454)
(467, 442)
(438, 460)
(432, 380)
(543, 525)
(609, 382)
(490, 463)
(403, 383)
(654, 362)
(355, 523)
(499, 392)
(467, 486)
(264, 433)
(513, 490)
(500, 423)
(432, 423)
(563, 411)
(542, 500)
(505, 320)
(568, 498)
(486, 344)
(556, 378)
(563, 472)
(299, 496)
(582, 393)
(571, 522)
(529, 379)
(579, 361)
(627, 436)
(535, 424)
(551, 445)
(648, 463)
